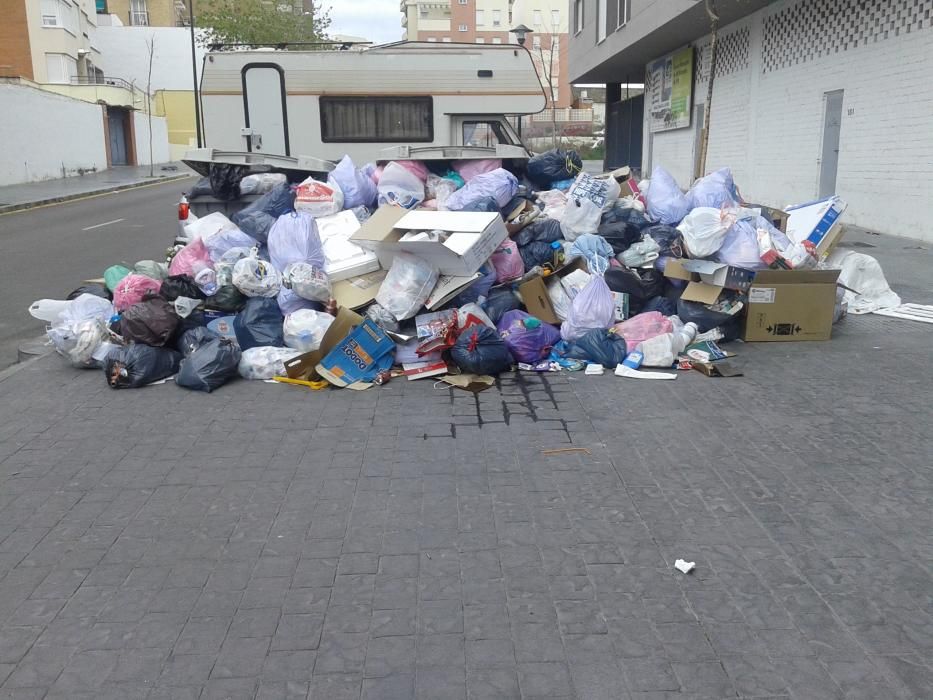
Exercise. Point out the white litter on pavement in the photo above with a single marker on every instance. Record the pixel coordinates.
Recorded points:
(684, 567)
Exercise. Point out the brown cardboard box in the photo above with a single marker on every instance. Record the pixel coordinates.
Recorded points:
(534, 293)
(788, 305)
(303, 366)
(357, 292)
(777, 217)
(707, 278)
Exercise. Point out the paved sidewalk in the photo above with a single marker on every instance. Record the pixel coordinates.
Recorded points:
(414, 542)
(31, 194)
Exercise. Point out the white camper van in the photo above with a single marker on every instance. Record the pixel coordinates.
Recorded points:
(416, 100)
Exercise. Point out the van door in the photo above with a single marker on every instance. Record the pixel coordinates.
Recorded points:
(264, 109)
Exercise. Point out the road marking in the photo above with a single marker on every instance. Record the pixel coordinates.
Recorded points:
(106, 223)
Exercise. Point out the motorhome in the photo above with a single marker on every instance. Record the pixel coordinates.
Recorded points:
(415, 100)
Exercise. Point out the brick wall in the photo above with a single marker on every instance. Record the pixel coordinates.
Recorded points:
(768, 109)
(15, 52)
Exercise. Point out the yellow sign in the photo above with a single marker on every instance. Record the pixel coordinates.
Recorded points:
(669, 91)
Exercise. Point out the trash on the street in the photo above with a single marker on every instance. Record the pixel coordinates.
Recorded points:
(462, 270)
(684, 567)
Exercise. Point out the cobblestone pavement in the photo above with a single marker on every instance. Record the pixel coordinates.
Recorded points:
(413, 541)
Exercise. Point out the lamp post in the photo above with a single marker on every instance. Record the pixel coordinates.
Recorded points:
(520, 32)
(194, 75)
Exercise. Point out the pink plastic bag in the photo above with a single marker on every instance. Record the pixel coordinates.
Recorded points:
(592, 308)
(468, 169)
(184, 262)
(642, 327)
(507, 261)
(131, 290)
(416, 168)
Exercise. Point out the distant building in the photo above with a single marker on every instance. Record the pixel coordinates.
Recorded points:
(145, 13)
(811, 97)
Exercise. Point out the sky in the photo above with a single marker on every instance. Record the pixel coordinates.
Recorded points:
(379, 21)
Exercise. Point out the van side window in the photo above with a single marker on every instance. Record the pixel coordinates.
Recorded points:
(365, 119)
(486, 134)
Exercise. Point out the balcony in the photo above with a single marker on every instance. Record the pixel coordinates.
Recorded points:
(115, 92)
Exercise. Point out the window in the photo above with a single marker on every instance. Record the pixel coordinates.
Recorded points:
(497, 18)
(479, 18)
(624, 12)
(496, 40)
(432, 39)
(50, 15)
(536, 42)
(577, 16)
(423, 12)
(376, 119)
(60, 68)
(480, 41)
(463, 2)
(139, 13)
(537, 18)
(483, 134)
(600, 21)
(462, 28)
(446, 39)
(555, 20)
(101, 6)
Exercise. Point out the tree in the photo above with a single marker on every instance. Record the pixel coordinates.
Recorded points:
(713, 52)
(150, 45)
(259, 22)
(547, 61)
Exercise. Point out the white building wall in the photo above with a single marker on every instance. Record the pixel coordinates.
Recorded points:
(47, 136)
(160, 147)
(123, 54)
(767, 117)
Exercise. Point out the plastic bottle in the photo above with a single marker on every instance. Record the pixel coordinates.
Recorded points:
(557, 251)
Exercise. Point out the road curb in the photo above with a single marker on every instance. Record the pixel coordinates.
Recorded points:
(19, 366)
(25, 206)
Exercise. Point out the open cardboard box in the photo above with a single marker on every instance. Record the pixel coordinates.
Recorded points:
(473, 237)
(535, 296)
(707, 278)
(303, 366)
(817, 222)
(788, 305)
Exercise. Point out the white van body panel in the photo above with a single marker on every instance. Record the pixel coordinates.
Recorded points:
(272, 101)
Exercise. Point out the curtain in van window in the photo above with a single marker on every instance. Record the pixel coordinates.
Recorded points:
(376, 119)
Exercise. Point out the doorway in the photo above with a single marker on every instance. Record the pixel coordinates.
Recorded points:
(832, 128)
(116, 128)
(264, 108)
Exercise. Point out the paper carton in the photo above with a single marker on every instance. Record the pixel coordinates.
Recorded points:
(471, 237)
(815, 222)
(707, 279)
(356, 359)
(535, 296)
(788, 305)
(357, 292)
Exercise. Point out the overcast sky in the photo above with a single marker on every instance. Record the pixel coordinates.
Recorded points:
(377, 20)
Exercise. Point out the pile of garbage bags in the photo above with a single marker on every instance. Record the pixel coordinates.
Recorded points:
(577, 283)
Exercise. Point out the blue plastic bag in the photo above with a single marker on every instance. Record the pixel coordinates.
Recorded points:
(259, 323)
(667, 204)
(714, 190)
(499, 184)
(595, 250)
(600, 346)
(480, 350)
(256, 219)
(294, 238)
(357, 187)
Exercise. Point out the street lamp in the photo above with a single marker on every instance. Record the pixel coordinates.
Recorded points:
(194, 74)
(520, 32)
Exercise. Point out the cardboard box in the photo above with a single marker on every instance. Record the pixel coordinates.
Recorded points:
(788, 305)
(814, 222)
(355, 360)
(535, 295)
(357, 292)
(304, 366)
(707, 279)
(337, 229)
(777, 217)
(447, 287)
(473, 237)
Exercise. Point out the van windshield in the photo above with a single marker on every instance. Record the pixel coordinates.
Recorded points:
(484, 134)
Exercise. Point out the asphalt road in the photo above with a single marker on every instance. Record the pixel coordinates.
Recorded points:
(47, 252)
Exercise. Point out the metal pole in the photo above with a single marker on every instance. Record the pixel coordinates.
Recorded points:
(194, 75)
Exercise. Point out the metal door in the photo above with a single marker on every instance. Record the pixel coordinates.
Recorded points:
(264, 108)
(115, 126)
(832, 126)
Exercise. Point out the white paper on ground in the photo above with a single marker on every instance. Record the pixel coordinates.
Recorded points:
(685, 567)
(623, 371)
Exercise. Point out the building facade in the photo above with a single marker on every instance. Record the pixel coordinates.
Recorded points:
(810, 98)
(145, 13)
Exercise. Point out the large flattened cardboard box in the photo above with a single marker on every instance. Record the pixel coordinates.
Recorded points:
(818, 223)
(789, 305)
(706, 278)
(471, 237)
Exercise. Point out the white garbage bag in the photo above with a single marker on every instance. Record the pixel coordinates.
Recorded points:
(265, 361)
(256, 278)
(304, 329)
(863, 274)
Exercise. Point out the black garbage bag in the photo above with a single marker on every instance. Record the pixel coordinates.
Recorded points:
(98, 290)
(480, 350)
(540, 230)
(256, 219)
(598, 345)
(137, 365)
(708, 319)
(226, 298)
(151, 321)
(500, 300)
(668, 238)
(201, 189)
(663, 305)
(621, 227)
(479, 288)
(259, 323)
(196, 319)
(175, 286)
(225, 179)
(536, 253)
(193, 338)
(482, 204)
(210, 366)
(639, 284)
(550, 167)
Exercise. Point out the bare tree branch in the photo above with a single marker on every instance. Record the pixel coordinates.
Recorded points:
(713, 53)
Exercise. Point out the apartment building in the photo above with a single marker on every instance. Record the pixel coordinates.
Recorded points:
(549, 43)
(459, 21)
(145, 13)
(810, 97)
